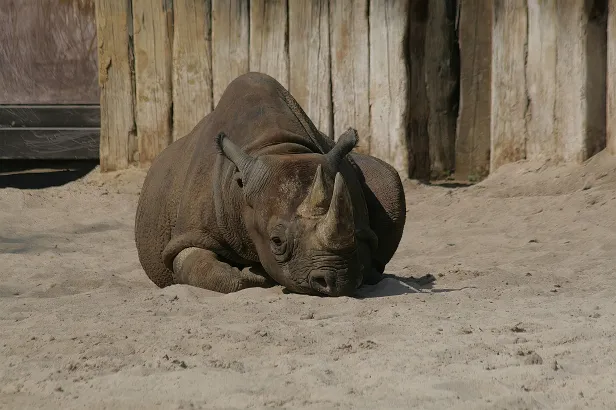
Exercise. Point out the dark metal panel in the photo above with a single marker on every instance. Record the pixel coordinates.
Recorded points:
(56, 116)
(49, 143)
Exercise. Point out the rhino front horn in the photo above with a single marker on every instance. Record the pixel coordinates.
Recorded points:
(337, 229)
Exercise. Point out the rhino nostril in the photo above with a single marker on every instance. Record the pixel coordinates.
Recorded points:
(330, 279)
(323, 282)
(318, 282)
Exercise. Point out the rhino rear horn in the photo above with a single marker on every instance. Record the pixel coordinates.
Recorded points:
(337, 229)
(317, 200)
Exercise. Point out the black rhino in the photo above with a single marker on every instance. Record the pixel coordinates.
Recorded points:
(255, 195)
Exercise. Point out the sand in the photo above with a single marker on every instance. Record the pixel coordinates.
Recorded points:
(521, 315)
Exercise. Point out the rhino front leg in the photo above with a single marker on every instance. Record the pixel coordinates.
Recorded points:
(386, 204)
(202, 268)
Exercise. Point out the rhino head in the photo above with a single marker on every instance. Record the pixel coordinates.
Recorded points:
(299, 214)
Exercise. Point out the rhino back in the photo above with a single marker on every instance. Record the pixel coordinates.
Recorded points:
(259, 115)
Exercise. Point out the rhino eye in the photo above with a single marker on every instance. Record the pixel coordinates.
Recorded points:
(279, 242)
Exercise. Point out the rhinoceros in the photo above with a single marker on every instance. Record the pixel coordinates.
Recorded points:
(255, 195)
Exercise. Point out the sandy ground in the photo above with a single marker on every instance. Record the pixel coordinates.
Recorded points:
(521, 316)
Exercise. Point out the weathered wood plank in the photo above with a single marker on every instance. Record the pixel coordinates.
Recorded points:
(509, 98)
(473, 129)
(310, 75)
(62, 116)
(418, 139)
(269, 27)
(48, 52)
(542, 140)
(581, 79)
(47, 143)
(350, 73)
(118, 142)
(153, 28)
(565, 76)
(389, 82)
(442, 85)
(611, 78)
(192, 64)
(230, 31)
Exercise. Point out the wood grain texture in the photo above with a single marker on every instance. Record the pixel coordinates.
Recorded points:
(543, 139)
(442, 86)
(350, 69)
(310, 75)
(192, 64)
(611, 78)
(473, 128)
(565, 78)
(117, 132)
(268, 48)
(48, 52)
(153, 28)
(419, 112)
(49, 143)
(53, 116)
(269, 52)
(595, 18)
(389, 82)
(230, 32)
(509, 99)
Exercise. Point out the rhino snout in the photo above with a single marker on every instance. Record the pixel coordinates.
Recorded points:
(330, 283)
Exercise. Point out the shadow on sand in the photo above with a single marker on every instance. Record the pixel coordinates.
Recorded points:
(32, 174)
(448, 184)
(394, 285)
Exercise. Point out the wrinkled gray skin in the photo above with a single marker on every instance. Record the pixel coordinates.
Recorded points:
(256, 195)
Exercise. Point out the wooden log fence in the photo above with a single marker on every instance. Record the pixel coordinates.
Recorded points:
(435, 88)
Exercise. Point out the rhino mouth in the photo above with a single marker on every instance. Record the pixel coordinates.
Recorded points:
(333, 275)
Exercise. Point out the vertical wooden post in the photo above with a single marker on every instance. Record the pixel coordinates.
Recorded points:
(473, 128)
(418, 139)
(192, 64)
(584, 31)
(389, 81)
(350, 68)
(441, 85)
(543, 140)
(230, 31)
(118, 145)
(611, 78)
(153, 27)
(566, 80)
(309, 59)
(269, 51)
(509, 98)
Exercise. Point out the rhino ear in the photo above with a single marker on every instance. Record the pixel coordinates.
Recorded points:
(345, 144)
(250, 172)
(244, 162)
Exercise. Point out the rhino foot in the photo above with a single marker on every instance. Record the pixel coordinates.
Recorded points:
(202, 268)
